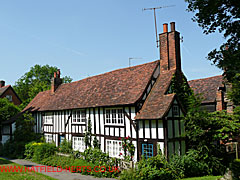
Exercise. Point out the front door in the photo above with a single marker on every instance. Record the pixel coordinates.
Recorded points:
(61, 139)
(147, 150)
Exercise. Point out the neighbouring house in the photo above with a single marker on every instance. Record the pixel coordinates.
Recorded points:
(9, 93)
(134, 101)
(213, 91)
(6, 127)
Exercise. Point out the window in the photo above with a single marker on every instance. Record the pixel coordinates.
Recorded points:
(48, 138)
(147, 150)
(78, 144)
(175, 110)
(9, 97)
(48, 118)
(6, 129)
(114, 116)
(114, 148)
(79, 116)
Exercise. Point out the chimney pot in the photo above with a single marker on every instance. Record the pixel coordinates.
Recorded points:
(172, 26)
(165, 28)
(2, 83)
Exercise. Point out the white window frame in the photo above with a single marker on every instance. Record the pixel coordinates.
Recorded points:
(114, 116)
(79, 116)
(48, 118)
(48, 138)
(78, 143)
(9, 97)
(114, 148)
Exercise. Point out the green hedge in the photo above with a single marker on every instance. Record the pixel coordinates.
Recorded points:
(43, 150)
(235, 166)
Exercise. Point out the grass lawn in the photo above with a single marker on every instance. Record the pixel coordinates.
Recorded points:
(204, 178)
(19, 175)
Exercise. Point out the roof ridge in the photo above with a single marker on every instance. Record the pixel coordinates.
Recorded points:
(205, 78)
(6, 86)
(152, 62)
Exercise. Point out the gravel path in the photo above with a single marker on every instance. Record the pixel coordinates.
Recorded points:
(61, 175)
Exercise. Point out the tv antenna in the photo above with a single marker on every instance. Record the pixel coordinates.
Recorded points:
(131, 58)
(155, 18)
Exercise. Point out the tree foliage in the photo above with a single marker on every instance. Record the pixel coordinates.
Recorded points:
(7, 109)
(36, 80)
(222, 16)
(208, 133)
(23, 134)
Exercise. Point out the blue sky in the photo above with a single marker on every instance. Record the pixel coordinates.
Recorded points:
(88, 37)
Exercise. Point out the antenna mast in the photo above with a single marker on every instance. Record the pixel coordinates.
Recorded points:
(155, 18)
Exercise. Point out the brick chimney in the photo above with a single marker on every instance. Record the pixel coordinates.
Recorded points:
(170, 57)
(219, 100)
(2, 83)
(56, 81)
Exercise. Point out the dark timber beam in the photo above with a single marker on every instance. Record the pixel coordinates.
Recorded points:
(131, 121)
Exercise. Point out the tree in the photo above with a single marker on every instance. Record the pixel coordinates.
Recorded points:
(224, 16)
(23, 134)
(36, 80)
(208, 133)
(7, 109)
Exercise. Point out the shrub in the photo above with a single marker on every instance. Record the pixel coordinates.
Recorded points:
(128, 175)
(43, 150)
(95, 155)
(56, 160)
(235, 167)
(156, 167)
(66, 147)
(193, 165)
(29, 149)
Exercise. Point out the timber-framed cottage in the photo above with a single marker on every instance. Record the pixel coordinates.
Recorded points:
(135, 101)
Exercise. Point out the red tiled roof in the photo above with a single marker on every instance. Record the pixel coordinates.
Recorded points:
(119, 87)
(158, 103)
(207, 87)
(3, 89)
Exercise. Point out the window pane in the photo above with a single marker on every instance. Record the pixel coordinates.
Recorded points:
(170, 133)
(182, 127)
(175, 110)
(177, 148)
(114, 116)
(170, 149)
(183, 147)
(176, 128)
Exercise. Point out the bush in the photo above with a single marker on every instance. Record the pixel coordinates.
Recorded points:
(29, 149)
(43, 150)
(128, 175)
(235, 167)
(193, 165)
(56, 160)
(95, 155)
(65, 147)
(156, 167)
